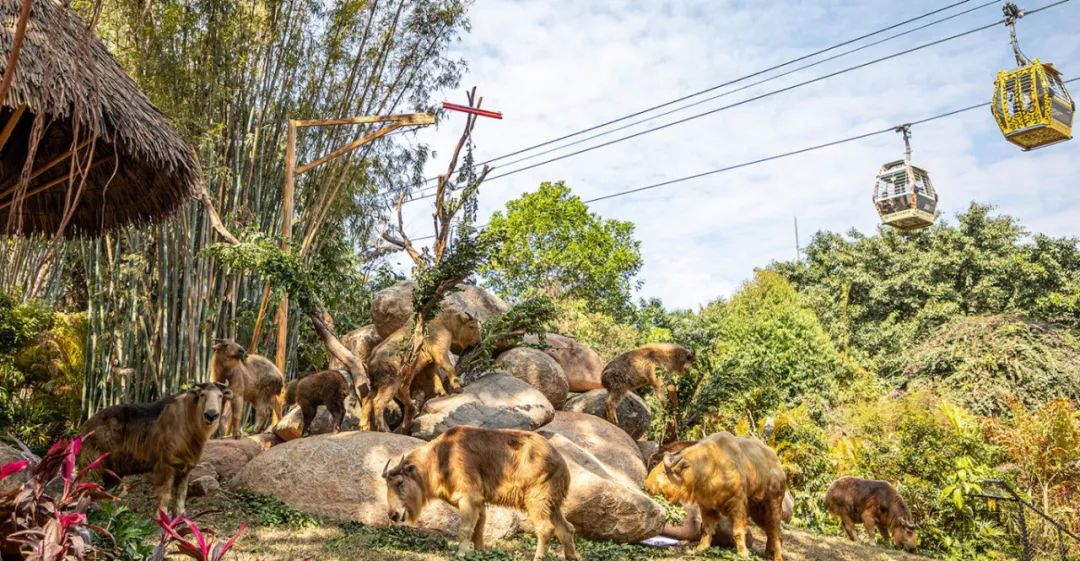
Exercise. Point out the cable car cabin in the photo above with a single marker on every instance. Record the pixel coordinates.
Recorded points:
(1032, 106)
(904, 196)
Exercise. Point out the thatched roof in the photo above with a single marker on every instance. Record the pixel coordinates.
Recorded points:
(143, 169)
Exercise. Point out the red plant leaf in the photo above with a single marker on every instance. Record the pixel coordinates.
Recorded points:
(94, 464)
(12, 468)
(69, 520)
(199, 538)
(225, 547)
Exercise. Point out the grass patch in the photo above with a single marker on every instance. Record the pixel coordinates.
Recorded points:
(270, 512)
(398, 538)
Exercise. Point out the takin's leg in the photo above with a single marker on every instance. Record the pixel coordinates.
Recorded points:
(478, 530)
(307, 410)
(709, 522)
(180, 487)
(565, 532)
(870, 522)
(738, 518)
(236, 408)
(264, 414)
(658, 388)
(469, 509)
(884, 531)
(164, 485)
(538, 507)
(442, 362)
(774, 539)
(379, 401)
(849, 526)
(408, 409)
(611, 404)
(337, 413)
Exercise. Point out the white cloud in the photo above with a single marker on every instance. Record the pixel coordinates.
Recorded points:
(557, 66)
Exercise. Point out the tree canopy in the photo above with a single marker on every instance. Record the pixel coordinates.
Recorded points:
(547, 241)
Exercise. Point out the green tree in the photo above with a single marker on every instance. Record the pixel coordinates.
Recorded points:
(548, 241)
(879, 295)
(769, 351)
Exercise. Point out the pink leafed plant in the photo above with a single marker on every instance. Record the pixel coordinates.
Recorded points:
(45, 518)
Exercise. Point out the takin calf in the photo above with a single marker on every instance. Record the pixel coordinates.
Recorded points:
(328, 388)
(471, 467)
(451, 331)
(874, 503)
(637, 368)
(253, 379)
(165, 437)
(739, 478)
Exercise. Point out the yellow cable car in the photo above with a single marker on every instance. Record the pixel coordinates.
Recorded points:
(1031, 105)
(903, 194)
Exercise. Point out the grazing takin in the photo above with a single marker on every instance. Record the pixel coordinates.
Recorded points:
(452, 330)
(165, 437)
(328, 388)
(874, 503)
(637, 368)
(470, 468)
(253, 379)
(739, 478)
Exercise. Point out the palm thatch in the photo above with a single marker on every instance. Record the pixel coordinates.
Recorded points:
(140, 169)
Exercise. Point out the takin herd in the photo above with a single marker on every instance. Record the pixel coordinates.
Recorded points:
(728, 480)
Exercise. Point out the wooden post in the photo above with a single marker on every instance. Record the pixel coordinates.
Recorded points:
(291, 171)
(286, 234)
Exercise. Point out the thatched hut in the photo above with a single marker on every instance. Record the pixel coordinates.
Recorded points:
(106, 156)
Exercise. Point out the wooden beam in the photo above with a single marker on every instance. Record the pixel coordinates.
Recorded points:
(8, 189)
(54, 182)
(286, 235)
(16, 46)
(348, 148)
(9, 127)
(253, 347)
(405, 119)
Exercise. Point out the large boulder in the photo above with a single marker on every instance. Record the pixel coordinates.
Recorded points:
(539, 370)
(497, 400)
(340, 476)
(228, 456)
(602, 439)
(392, 306)
(291, 425)
(360, 341)
(581, 364)
(603, 504)
(12, 482)
(633, 412)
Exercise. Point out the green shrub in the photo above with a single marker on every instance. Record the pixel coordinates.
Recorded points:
(268, 511)
(133, 537)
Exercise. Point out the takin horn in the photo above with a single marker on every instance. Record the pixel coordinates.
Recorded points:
(386, 469)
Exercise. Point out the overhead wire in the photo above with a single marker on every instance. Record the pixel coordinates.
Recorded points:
(745, 77)
(758, 97)
(781, 155)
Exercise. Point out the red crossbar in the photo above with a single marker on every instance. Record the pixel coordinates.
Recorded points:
(473, 110)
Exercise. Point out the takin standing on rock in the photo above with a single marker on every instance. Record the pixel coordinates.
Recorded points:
(739, 478)
(165, 437)
(451, 330)
(634, 369)
(470, 468)
(328, 388)
(253, 379)
(874, 503)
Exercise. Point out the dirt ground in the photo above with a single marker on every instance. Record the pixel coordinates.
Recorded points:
(279, 533)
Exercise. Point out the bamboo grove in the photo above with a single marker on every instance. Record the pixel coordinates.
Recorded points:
(230, 74)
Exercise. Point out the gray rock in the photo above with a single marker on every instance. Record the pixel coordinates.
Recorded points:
(392, 307)
(602, 439)
(581, 364)
(495, 401)
(537, 369)
(634, 413)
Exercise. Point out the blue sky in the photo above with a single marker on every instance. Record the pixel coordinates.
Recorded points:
(556, 66)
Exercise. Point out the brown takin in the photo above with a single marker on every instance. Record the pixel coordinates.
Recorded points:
(470, 468)
(328, 388)
(452, 330)
(874, 503)
(165, 437)
(739, 478)
(253, 379)
(657, 483)
(637, 368)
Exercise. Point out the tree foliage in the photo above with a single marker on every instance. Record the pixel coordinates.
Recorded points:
(548, 241)
(880, 295)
